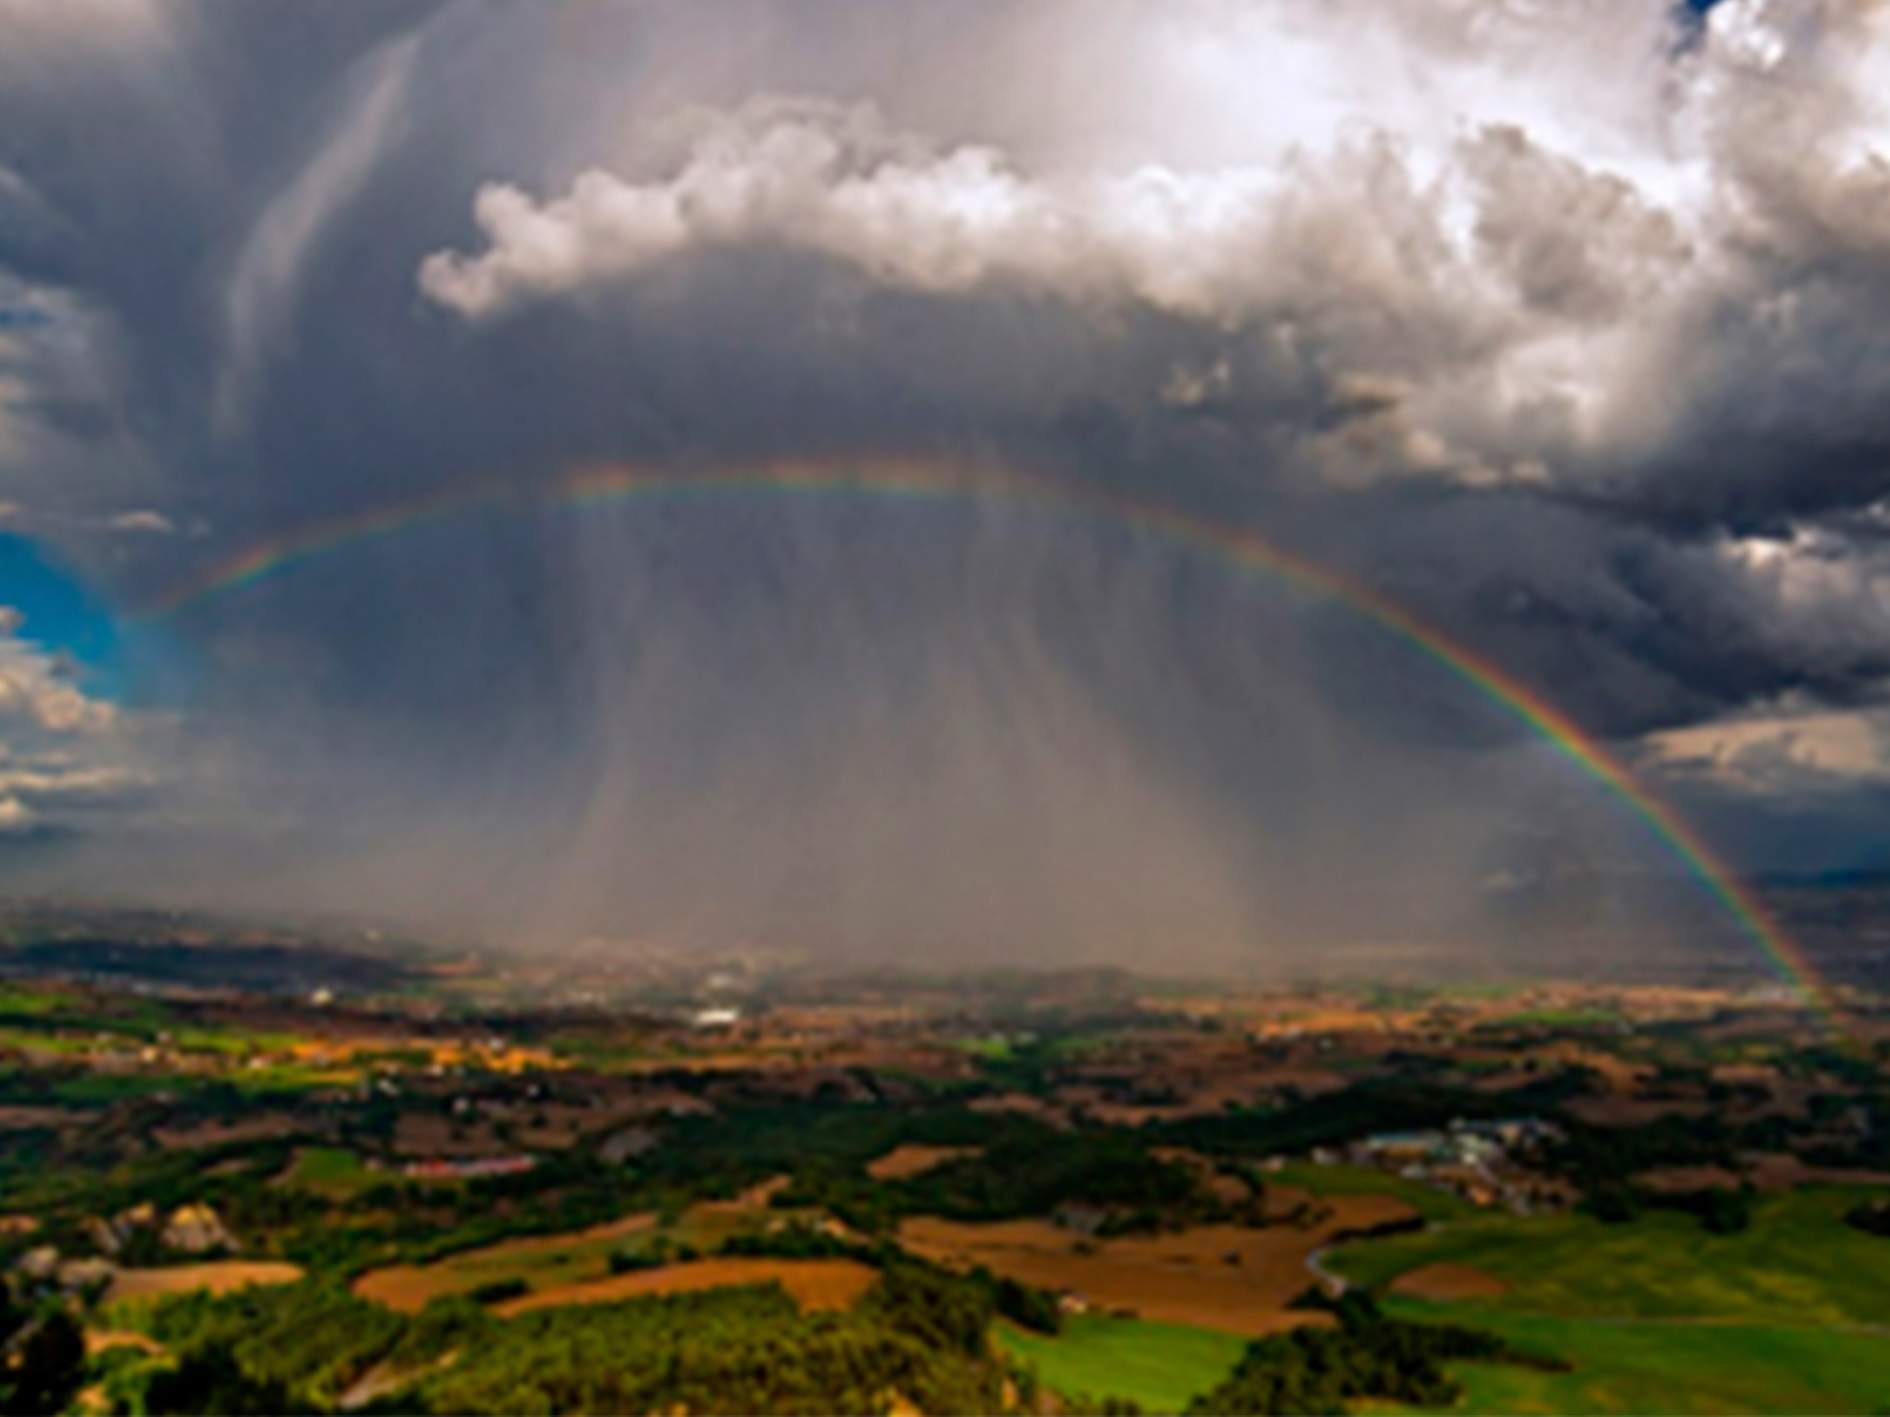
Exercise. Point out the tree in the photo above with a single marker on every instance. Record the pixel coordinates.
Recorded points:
(1724, 1211)
(43, 1359)
(1871, 1219)
(210, 1380)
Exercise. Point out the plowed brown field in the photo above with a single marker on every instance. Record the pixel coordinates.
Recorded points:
(1219, 1276)
(217, 1276)
(814, 1284)
(912, 1160)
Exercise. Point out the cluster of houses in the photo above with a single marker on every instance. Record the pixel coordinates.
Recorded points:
(1475, 1159)
(467, 1168)
(192, 1229)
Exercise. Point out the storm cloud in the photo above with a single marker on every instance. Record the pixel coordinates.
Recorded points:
(1561, 325)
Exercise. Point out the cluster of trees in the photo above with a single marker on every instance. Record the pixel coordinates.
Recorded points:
(917, 1339)
(1868, 1149)
(1021, 1170)
(797, 1240)
(287, 1348)
(1599, 1158)
(1603, 1161)
(659, 1251)
(1721, 1210)
(1871, 1219)
(42, 1353)
(1857, 1069)
(742, 1145)
(1109, 1170)
(846, 1192)
(1408, 1225)
(1367, 1356)
(209, 1380)
(1374, 1105)
(1023, 1304)
(309, 1340)
(497, 1291)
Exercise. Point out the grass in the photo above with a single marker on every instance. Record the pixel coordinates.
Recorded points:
(62, 1035)
(31, 1085)
(602, 1054)
(332, 1170)
(37, 1040)
(290, 1077)
(233, 1042)
(1797, 1265)
(1661, 1316)
(32, 1002)
(992, 1048)
(1159, 1366)
(1427, 1201)
(1477, 989)
(102, 1089)
(1651, 1366)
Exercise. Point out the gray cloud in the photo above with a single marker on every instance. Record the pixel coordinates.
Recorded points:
(1561, 325)
(264, 282)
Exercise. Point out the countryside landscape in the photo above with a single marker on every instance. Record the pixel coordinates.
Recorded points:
(385, 1176)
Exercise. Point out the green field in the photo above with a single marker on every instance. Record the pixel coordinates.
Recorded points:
(536, 1266)
(1790, 1315)
(1159, 1366)
(1655, 1366)
(291, 1077)
(103, 1089)
(1798, 1264)
(330, 1169)
(35, 1040)
(232, 1042)
(32, 1000)
(992, 1048)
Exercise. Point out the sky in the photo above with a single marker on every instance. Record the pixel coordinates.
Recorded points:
(1562, 325)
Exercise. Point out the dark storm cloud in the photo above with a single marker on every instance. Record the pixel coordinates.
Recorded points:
(1563, 328)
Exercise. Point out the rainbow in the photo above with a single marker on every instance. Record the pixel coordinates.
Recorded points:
(1243, 550)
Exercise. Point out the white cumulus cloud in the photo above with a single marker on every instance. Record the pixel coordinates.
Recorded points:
(1537, 279)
